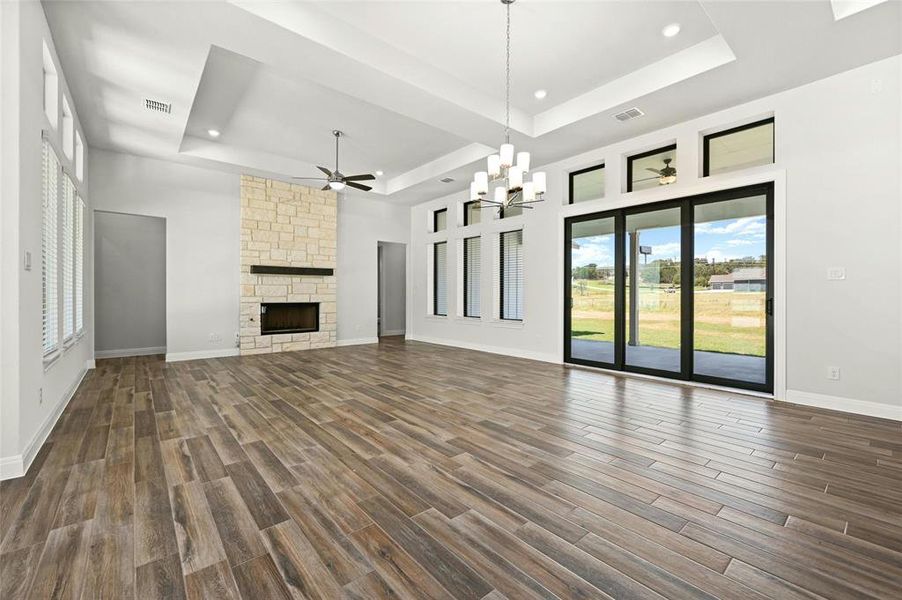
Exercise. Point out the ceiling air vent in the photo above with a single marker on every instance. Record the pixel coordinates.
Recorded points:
(446, 180)
(628, 114)
(156, 105)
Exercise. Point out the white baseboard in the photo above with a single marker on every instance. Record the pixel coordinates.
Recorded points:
(201, 354)
(357, 341)
(17, 466)
(124, 352)
(849, 405)
(394, 332)
(90, 364)
(541, 356)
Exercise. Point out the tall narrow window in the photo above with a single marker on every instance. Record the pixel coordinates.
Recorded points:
(472, 213)
(440, 279)
(511, 275)
(440, 220)
(587, 184)
(67, 212)
(472, 271)
(49, 238)
(51, 89)
(79, 266)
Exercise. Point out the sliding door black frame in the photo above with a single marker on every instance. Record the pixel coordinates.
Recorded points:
(687, 274)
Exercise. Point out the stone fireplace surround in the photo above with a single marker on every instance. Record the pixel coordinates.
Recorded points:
(286, 225)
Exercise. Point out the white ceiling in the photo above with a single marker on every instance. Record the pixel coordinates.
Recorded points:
(419, 86)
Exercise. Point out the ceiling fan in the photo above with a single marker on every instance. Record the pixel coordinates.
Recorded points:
(666, 176)
(335, 180)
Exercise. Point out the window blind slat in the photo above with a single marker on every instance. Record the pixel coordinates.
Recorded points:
(440, 276)
(511, 264)
(472, 271)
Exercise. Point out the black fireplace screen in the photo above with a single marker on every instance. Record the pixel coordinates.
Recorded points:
(288, 317)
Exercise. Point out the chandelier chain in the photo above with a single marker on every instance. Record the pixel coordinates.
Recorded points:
(507, 116)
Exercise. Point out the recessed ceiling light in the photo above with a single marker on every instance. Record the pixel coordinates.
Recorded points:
(379, 173)
(540, 94)
(213, 132)
(671, 30)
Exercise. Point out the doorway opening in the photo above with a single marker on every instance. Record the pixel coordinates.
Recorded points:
(391, 316)
(680, 289)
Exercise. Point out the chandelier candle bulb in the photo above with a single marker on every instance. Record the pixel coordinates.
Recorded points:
(523, 161)
(501, 194)
(507, 155)
(538, 179)
(481, 179)
(494, 165)
(515, 178)
(529, 191)
(474, 193)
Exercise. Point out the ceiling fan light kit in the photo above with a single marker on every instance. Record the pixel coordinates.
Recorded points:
(335, 181)
(511, 188)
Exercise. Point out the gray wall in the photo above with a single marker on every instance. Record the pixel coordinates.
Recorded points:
(130, 288)
(394, 288)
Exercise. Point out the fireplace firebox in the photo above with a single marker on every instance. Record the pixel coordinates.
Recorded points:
(288, 317)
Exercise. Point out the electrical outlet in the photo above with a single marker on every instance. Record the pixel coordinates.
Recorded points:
(833, 373)
(836, 273)
(215, 337)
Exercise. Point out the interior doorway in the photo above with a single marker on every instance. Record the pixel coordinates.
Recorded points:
(391, 308)
(129, 285)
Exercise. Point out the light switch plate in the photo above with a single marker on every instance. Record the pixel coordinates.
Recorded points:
(27, 260)
(836, 273)
(833, 373)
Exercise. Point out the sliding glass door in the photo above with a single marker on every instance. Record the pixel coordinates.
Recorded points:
(590, 320)
(679, 289)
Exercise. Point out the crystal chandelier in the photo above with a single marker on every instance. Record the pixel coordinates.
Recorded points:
(506, 177)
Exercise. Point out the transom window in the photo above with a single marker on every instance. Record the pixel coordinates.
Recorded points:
(587, 184)
(440, 220)
(650, 169)
(739, 148)
(472, 213)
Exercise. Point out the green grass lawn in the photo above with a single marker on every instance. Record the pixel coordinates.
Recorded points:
(724, 321)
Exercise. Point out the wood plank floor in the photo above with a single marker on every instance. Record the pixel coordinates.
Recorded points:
(406, 470)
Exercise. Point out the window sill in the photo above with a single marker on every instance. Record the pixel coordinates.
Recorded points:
(468, 320)
(437, 317)
(508, 323)
(51, 358)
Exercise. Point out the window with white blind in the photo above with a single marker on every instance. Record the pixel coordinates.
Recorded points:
(511, 275)
(79, 266)
(440, 279)
(49, 246)
(472, 270)
(67, 257)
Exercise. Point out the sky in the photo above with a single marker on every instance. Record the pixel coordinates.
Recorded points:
(716, 240)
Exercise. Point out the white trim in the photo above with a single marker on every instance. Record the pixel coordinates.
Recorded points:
(123, 352)
(540, 356)
(848, 405)
(394, 332)
(17, 466)
(90, 364)
(200, 354)
(357, 341)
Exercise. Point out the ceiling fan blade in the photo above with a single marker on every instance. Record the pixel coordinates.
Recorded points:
(646, 168)
(312, 178)
(358, 186)
(325, 170)
(326, 188)
(366, 177)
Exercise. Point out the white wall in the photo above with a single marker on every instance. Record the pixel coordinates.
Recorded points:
(393, 288)
(33, 393)
(130, 284)
(838, 181)
(362, 224)
(201, 209)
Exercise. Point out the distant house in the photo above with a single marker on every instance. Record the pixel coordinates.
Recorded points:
(741, 280)
(721, 282)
